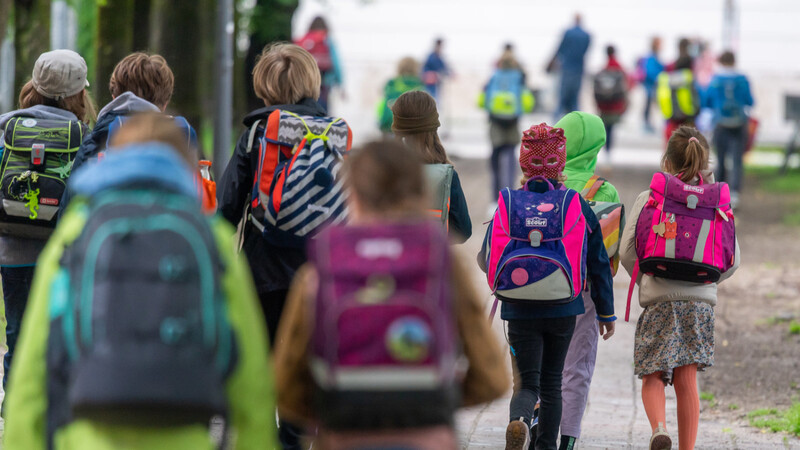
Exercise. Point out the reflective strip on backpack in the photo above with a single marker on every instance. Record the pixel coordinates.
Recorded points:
(669, 248)
(702, 239)
(377, 378)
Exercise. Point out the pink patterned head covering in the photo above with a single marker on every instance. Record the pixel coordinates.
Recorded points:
(543, 152)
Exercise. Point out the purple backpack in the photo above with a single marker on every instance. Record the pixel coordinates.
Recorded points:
(536, 247)
(383, 350)
(684, 232)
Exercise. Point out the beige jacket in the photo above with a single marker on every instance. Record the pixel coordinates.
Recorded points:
(486, 378)
(654, 290)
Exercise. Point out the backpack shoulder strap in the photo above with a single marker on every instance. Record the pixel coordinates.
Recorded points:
(592, 186)
(251, 137)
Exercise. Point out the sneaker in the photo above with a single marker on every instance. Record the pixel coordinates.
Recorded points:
(518, 435)
(660, 439)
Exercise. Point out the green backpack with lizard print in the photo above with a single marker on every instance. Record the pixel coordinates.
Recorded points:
(36, 162)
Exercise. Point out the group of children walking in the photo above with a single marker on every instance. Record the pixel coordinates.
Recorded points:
(141, 324)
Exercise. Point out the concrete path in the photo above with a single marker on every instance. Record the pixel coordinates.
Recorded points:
(614, 417)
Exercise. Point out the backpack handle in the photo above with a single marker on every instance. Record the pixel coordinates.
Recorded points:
(699, 175)
(539, 178)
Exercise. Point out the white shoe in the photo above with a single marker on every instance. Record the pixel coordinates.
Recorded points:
(660, 439)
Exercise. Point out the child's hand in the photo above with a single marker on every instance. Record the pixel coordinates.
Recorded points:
(606, 329)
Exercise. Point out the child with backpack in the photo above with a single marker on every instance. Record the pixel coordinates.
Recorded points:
(667, 250)
(318, 42)
(415, 123)
(611, 94)
(729, 96)
(677, 91)
(505, 97)
(538, 248)
(278, 211)
(143, 329)
(585, 137)
(407, 80)
(140, 82)
(377, 319)
(38, 143)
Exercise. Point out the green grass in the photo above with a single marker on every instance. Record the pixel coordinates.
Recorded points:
(769, 149)
(794, 327)
(769, 179)
(776, 421)
(707, 396)
(733, 406)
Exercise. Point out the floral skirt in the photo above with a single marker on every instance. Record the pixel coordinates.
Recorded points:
(673, 334)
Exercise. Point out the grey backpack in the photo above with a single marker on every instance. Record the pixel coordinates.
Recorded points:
(439, 178)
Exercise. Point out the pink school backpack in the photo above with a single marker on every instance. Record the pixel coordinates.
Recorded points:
(536, 248)
(684, 232)
(384, 347)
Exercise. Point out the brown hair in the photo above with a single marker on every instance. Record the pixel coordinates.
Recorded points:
(427, 144)
(727, 59)
(285, 74)
(147, 76)
(79, 104)
(687, 154)
(386, 178)
(408, 67)
(152, 126)
(318, 24)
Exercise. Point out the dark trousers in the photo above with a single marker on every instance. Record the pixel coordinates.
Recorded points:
(609, 136)
(569, 93)
(647, 106)
(539, 348)
(730, 143)
(272, 304)
(16, 287)
(504, 166)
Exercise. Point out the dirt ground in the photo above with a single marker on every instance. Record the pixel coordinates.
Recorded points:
(757, 359)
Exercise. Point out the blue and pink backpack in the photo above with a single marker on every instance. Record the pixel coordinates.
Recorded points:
(536, 248)
(684, 232)
(384, 327)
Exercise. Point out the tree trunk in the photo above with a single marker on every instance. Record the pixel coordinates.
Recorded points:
(114, 42)
(271, 22)
(141, 25)
(31, 37)
(179, 42)
(5, 14)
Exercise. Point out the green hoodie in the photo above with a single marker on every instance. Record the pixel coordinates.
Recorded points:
(251, 399)
(586, 136)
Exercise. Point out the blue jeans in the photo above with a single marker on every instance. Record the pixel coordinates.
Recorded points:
(16, 287)
(570, 90)
(504, 166)
(539, 348)
(730, 143)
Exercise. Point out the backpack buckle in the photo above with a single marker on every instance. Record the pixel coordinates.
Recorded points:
(535, 237)
(37, 154)
(691, 201)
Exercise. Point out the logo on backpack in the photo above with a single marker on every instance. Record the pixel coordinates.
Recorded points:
(535, 222)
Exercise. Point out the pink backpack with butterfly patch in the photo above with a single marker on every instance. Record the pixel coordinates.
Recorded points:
(684, 232)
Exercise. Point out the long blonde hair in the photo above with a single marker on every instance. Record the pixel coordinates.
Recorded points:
(686, 154)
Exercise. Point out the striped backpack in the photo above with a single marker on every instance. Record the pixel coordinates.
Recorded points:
(611, 216)
(296, 191)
